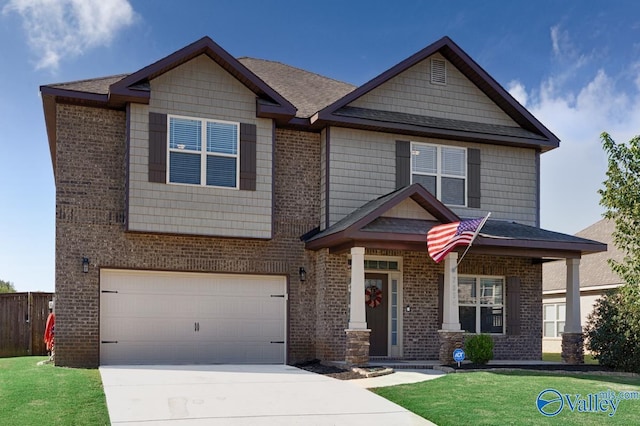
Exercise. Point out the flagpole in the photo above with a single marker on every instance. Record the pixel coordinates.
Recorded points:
(474, 237)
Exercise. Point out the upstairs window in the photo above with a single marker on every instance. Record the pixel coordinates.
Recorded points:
(203, 152)
(442, 170)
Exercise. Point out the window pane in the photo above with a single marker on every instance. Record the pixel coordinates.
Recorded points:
(468, 318)
(184, 168)
(424, 158)
(560, 327)
(491, 291)
(429, 183)
(466, 290)
(221, 171)
(184, 134)
(222, 138)
(491, 320)
(561, 311)
(549, 329)
(453, 191)
(454, 162)
(549, 312)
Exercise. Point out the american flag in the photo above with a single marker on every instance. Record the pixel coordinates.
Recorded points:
(442, 239)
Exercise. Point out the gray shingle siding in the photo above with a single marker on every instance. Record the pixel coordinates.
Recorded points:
(363, 167)
(199, 88)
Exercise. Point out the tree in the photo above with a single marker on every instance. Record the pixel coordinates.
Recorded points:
(621, 198)
(7, 287)
(613, 329)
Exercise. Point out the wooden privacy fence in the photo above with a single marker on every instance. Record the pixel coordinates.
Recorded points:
(23, 317)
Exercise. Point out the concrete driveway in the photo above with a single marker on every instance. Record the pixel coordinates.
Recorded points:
(242, 395)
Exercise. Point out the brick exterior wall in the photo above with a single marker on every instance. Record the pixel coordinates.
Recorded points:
(90, 206)
(420, 292)
(90, 218)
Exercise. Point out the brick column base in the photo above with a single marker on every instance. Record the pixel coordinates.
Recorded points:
(573, 348)
(449, 340)
(357, 353)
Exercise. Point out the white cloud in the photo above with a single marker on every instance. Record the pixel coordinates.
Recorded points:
(518, 91)
(57, 29)
(572, 174)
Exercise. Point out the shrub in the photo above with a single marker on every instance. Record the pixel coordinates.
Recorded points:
(613, 329)
(479, 348)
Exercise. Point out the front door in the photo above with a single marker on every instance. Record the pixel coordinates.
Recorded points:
(377, 299)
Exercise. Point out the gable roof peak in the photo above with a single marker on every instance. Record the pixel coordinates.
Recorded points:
(470, 69)
(125, 90)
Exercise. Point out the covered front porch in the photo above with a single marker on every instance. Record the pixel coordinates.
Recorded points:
(380, 296)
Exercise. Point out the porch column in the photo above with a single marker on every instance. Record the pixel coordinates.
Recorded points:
(451, 334)
(450, 311)
(572, 338)
(357, 344)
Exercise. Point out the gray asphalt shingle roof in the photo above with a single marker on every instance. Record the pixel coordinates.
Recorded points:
(307, 91)
(98, 86)
(435, 122)
(594, 268)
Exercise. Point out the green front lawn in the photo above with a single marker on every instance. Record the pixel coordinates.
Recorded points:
(46, 395)
(555, 357)
(509, 398)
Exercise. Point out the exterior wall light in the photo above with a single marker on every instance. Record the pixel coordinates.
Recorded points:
(85, 264)
(303, 274)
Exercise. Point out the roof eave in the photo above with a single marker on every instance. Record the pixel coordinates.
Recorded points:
(583, 248)
(323, 119)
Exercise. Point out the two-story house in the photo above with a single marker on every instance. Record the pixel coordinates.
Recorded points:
(212, 209)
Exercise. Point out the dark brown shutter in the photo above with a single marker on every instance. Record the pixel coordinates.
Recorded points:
(513, 306)
(157, 147)
(248, 157)
(440, 300)
(403, 164)
(473, 184)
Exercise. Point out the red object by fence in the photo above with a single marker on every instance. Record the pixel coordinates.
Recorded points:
(49, 331)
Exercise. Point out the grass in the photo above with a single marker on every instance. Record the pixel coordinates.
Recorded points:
(555, 357)
(509, 398)
(35, 395)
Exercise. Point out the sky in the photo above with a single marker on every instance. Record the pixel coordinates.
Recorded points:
(575, 64)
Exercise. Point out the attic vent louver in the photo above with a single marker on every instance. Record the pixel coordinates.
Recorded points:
(438, 71)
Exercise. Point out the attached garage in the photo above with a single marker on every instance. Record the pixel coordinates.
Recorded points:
(151, 317)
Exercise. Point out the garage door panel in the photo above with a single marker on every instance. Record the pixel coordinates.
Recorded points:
(237, 330)
(177, 318)
(161, 329)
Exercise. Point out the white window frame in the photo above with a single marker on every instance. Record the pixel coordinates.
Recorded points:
(478, 305)
(556, 320)
(203, 151)
(439, 174)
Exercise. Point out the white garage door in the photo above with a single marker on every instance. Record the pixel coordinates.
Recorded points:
(151, 317)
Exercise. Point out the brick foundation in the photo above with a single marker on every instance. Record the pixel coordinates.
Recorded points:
(357, 350)
(449, 340)
(573, 348)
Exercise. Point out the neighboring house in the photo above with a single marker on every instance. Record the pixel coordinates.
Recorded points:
(219, 210)
(596, 277)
